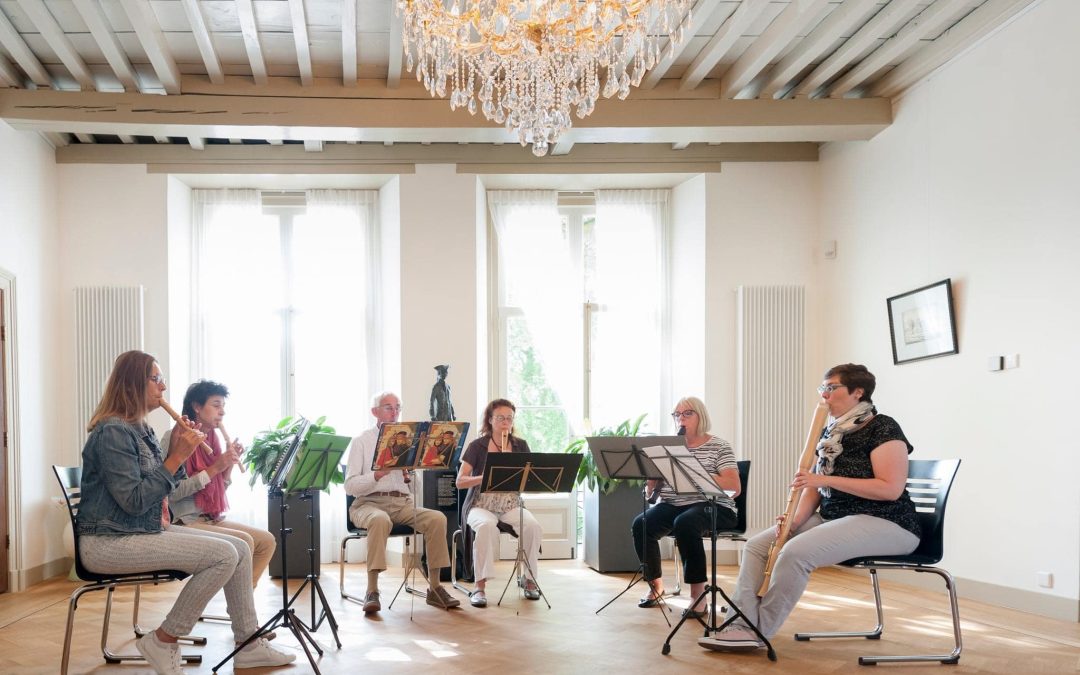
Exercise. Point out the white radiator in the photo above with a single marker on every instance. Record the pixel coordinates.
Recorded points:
(770, 401)
(108, 322)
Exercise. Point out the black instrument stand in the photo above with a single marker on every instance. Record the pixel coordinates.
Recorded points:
(711, 590)
(520, 559)
(312, 579)
(286, 616)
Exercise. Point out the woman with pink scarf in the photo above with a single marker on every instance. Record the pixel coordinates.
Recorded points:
(199, 500)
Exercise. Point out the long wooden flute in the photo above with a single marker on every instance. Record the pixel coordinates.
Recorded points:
(173, 414)
(817, 423)
(228, 442)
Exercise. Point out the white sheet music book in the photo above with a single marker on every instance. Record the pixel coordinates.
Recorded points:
(682, 470)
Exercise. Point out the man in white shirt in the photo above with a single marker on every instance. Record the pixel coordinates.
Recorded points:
(382, 501)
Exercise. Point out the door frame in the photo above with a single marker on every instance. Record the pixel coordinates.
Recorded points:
(11, 415)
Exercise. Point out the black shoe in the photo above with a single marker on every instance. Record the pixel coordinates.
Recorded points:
(650, 601)
(694, 614)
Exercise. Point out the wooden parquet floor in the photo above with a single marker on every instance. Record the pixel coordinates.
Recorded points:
(525, 637)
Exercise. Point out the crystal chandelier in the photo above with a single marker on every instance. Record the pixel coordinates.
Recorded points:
(528, 63)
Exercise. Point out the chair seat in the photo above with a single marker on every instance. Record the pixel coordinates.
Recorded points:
(887, 560)
(395, 531)
(150, 577)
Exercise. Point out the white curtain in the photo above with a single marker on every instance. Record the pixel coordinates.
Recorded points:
(629, 337)
(541, 277)
(263, 283)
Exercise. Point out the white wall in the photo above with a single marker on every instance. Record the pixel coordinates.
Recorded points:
(761, 229)
(29, 241)
(178, 259)
(687, 240)
(977, 180)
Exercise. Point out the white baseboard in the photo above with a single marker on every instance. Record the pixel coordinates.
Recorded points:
(20, 580)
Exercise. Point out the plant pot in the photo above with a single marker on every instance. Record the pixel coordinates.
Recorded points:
(299, 540)
(609, 543)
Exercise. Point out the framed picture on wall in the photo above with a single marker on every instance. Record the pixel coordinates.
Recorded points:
(922, 323)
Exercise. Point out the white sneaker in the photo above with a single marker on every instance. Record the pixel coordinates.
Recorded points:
(163, 658)
(731, 639)
(259, 653)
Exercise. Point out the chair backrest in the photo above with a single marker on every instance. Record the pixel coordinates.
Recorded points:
(70, 478)
(740, 500)
(928, 483)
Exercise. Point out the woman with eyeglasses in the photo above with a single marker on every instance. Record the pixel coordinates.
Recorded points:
(123, 529)
(684, 516)
(483, 511)
(855, 503)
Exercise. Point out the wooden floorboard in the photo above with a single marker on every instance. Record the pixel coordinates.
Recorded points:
(524, 636)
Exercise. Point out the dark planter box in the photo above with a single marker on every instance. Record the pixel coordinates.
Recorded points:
(296, 517)
(609, 544)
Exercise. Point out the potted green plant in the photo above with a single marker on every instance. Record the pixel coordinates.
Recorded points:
(262, 459)
(609, 506)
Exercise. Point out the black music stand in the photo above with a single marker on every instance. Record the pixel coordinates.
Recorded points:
(312, 470)
(286, 616)
(522, 472)
(623, 457)
(686, 476)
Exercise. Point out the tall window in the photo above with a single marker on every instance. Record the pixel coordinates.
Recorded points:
(581, 310)
(282, 304)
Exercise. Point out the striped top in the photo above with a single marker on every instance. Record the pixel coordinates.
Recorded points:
(715, 455)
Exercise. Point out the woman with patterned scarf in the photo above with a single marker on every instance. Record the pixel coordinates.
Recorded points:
(199, 501)
(857, 505)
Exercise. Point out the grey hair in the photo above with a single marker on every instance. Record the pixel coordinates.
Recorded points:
(377, 400)
(698, 406)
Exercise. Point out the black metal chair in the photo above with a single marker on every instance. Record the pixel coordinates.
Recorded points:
(929, 482)
(464, 534)
(70, 478)
(738, 533)
(361, 533)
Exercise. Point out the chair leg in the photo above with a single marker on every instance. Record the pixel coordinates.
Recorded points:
(410, 568)
(453, 562)
(951, 658)
(140, 631)
(341, 572)
(111, 656)
(872, 634)
(678, 573)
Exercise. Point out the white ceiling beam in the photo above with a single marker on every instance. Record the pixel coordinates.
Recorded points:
(17, 47)
(160, 138)
(964, 35)
(8, 74)
(85, 138)
(348, 42)
(681, 145)
(58, 41)
(840, 21)
(250, 30)
(883, 23)
(202, 38)
(562, 147)
(196, 142)
(701, 13)
(929, 20)
(313, 146)
(55, 139)
(236, 141)
(148, 30)
(783, 29)
(300, 38)
(107, 42)
(397, 51)
(275, 141)
(126, 139)
(721, 42)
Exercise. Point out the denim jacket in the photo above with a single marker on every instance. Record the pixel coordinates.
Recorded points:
(124, 480)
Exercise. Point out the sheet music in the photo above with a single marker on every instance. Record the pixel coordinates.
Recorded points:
(682, 470)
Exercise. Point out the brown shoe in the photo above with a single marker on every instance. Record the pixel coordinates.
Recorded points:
(441, 598)
(371, 602)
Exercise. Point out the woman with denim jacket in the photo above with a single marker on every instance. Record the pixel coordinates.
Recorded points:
(123, 528)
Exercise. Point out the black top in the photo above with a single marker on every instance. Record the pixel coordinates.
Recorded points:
(854, 462)
(476, 455)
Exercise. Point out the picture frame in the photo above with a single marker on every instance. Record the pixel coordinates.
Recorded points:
(922, 323)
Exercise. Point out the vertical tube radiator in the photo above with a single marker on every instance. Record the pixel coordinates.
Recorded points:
(770, 400)
(108, 322)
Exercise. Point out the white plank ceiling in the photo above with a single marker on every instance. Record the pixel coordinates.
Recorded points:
(230, 74)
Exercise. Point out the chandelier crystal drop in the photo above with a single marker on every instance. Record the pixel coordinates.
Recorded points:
(528, 64)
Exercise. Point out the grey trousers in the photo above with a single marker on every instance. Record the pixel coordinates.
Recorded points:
(816, 544)
(213, 560)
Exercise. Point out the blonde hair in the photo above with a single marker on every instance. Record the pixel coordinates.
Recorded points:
(125, 391)
(698, 406)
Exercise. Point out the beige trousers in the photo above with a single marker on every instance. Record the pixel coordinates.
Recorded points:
(377, 514)
(261, 542)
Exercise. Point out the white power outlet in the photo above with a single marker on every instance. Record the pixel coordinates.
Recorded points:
(1011, 361)
(1044, 579)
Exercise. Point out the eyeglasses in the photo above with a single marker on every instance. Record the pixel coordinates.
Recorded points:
(681, 415)
(830, 388)
(391, 408)
(157, 379)
(503, 418)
